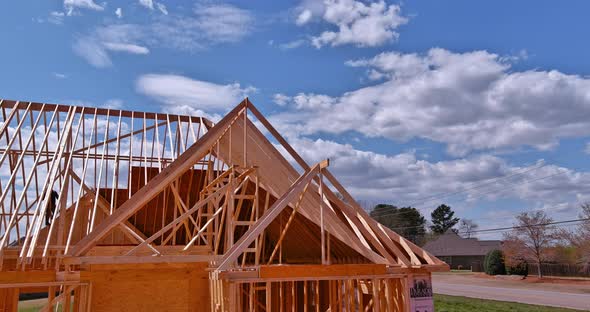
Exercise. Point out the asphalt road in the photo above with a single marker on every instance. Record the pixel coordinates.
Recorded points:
(549, 295)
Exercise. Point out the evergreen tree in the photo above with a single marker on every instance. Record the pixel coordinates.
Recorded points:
(442, 219)
(494, 263)
(406, 221)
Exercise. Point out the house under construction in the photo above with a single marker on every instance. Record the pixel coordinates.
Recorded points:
(114, 210)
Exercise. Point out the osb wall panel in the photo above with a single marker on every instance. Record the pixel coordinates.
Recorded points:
(178, 287)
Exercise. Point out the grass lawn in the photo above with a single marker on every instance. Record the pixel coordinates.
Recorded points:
(444, 303)
(455, 272)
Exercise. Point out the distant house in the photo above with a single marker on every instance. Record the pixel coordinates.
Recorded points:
(459, 252)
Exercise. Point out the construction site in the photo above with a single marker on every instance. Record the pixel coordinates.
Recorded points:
(115, 210)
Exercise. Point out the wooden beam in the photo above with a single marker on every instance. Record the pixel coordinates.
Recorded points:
(320, 271)
(140, 259)
(334, 224)
(102, 111)
(367, 232)
(268, 216)
(197, 151)
(14, 277)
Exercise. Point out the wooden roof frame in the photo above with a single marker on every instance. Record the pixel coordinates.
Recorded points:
(343, 218)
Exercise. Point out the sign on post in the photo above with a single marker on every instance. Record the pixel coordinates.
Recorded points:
(421, 294)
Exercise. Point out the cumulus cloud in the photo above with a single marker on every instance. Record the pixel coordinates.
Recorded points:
(469, 101)
(119, 12)
(71, 5)
(179, 90)
(404, 179)
(281, 99)
(358, 23)
(305, 101)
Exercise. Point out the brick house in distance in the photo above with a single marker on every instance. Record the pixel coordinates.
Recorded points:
(461, 253)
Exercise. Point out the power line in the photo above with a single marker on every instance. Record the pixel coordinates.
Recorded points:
(504, 188)
(553, 227)
(483, 183)
(481, 194)
(526, 226)
(506, 228)
(476, 185)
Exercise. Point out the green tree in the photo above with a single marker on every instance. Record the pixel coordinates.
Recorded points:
(442, 219)
(494, 263)
(406, 221)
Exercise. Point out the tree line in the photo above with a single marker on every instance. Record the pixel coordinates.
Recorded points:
(531, 239)
(411, 224)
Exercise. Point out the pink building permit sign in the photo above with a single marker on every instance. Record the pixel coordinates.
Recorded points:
(421, 294)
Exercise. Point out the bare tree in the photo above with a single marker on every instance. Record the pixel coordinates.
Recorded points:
(580, 237)
(534, 234)
(467, 228)
(584, 235)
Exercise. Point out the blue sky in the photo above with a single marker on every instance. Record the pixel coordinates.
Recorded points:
(481, 105)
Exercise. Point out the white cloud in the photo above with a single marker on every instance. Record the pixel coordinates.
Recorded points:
(150, 4)
(391, 64)
(95, 47)
(71, 5)
(292, 44)
(179, 90)
(93, 52)
(126, 47)
(403, 179)
(470, 101)
(113, 104)
(209, 24)
(303, 101)
(56, 17)
(162, 8)
(223, 22)
(60, 75)
(147, 3)
(119, 12)
(364, 24)
(304, 17)
(281, 99)
(309, 10)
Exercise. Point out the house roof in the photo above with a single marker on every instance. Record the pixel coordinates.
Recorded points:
(451, 244)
